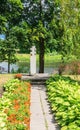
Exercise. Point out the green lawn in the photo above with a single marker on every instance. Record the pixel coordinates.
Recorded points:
(23, 57)
(50, 60)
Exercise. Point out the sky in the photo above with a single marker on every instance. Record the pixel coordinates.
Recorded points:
(2, 36)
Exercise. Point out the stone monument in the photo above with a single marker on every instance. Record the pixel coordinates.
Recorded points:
(33, 60)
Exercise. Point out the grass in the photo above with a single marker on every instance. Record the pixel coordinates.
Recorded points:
(75, 77)
(23, 57)
(50, 60)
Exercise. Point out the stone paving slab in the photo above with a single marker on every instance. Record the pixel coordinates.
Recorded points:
(37, 119)
(41, 116)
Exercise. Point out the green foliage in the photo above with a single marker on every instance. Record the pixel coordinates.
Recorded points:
(39, 16)
(58, 77)
(11, 85)
(53, 25)
(8, 50)
(22, 33)
(70, 23)
(64, 96)
(10, 13)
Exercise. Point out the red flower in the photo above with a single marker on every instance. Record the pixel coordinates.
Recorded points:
(18, 76)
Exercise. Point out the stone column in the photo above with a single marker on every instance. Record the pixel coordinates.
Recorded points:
(33, 60)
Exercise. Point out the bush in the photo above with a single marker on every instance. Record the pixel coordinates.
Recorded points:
(71, 68)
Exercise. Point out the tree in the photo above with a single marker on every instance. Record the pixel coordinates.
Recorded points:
(39, 14)
(10, 13)
(69, 21)
(23, 33)
(8, 50)
(44, 23)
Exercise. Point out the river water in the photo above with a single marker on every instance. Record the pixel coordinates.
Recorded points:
(4, 68)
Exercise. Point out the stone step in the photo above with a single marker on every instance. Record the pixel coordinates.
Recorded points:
(38, 79)
(38, 83)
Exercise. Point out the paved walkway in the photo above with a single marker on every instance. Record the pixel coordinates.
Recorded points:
(41, 117)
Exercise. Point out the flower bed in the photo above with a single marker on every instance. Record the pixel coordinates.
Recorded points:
(15, 106)
(64, 97)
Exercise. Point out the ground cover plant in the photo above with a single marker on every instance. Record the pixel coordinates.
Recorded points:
(64, 97)
(15, 106)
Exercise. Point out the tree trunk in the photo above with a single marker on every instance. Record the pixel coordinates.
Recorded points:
(41, 46)
(41, 55)
(9, 63)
